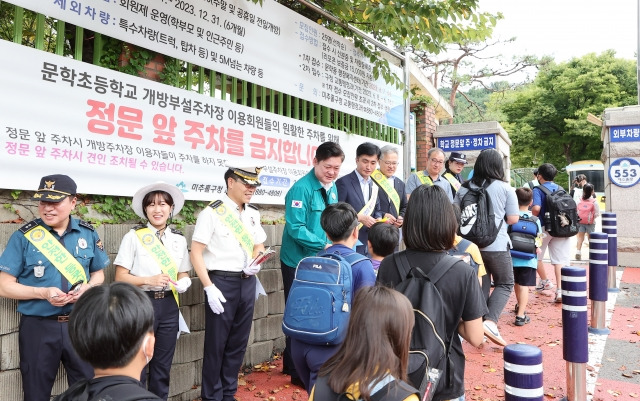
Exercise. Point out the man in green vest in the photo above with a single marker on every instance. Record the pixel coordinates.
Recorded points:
(430, 176)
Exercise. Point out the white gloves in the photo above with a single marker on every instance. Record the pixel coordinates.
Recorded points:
(183, 284)
(215, 297)
(252, 270)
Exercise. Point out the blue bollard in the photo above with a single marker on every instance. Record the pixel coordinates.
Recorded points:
(598, 273)
(609, 226)
(523, 373)
(575, 337)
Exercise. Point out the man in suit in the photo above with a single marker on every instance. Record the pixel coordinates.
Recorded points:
(392, 207)
(358, 190)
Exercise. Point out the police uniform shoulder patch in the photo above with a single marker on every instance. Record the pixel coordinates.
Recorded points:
(252, 206)
(176, 231)
(139, 227)
(28, 226)
(86, 225)
(215, 204)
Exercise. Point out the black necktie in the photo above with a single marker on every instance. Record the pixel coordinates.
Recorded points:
(324, 196)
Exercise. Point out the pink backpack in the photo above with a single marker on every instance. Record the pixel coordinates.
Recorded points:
(587, 211)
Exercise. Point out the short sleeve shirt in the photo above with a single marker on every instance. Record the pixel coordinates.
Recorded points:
(134, 257)
(505, 203)
(414, 182)
(540, 199)
(223, 251)
(24, 261)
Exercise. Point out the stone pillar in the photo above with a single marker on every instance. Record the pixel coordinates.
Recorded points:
(621, 153)
(471, 138)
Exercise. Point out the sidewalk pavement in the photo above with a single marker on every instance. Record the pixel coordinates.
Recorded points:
(613, 370)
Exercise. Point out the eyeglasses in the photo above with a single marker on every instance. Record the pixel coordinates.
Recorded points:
(390, 164)
(436, 161)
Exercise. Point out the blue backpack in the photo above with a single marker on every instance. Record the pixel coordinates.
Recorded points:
(523, 237)
(319, 303)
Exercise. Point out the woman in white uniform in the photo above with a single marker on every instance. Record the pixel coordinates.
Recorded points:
(155, 258)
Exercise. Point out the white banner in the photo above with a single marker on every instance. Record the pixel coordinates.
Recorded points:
(114, 133)
(269, 45)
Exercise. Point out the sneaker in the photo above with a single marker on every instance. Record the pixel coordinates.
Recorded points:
(521, 321)
(492, 333)
(578, 255)
(545, 285)
(558, 298)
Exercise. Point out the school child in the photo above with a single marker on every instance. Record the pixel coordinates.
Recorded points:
(524, 270)
(383, 240)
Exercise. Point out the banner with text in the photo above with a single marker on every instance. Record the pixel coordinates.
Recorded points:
(114, 133)
(269, 45)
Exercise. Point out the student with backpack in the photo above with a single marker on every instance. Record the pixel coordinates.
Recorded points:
(559, 215)
(383, 241)
(453, 300)
(488, 205)
(525, 236)
(111, 327)
(470, 253)
(372, 362)
(340, 223)
(588, 211)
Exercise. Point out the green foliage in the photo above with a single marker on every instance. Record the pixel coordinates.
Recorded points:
(117, 207)
(16, 194)
(171, 74)
(547, 120)
(189, 212)
(124, 57)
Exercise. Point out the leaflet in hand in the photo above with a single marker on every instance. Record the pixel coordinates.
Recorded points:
(262, 257)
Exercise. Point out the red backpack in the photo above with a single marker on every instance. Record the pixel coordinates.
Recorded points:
(587, 210)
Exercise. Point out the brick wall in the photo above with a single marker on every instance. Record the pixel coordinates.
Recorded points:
(265, 338)
(425, 128)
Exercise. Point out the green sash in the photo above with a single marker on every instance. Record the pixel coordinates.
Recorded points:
(235, 226)
(453, 181)
(159, 253)
(368, 207)
(425, 179)
(382, 180)
(57, 254)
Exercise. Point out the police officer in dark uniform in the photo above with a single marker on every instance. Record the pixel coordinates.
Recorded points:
(31, 271)
(227, 237)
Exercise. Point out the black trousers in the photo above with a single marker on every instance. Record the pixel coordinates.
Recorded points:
(226, 336)
(43, 344)
(288, 367)
(165, 330)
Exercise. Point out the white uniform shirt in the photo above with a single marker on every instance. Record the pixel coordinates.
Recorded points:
(133, 256)
(223, 251)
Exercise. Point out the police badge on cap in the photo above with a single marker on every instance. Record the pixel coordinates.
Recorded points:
(458, 157)
(55, 188)
(248, 175)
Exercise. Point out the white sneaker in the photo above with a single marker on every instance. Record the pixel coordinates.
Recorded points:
(578, 255)
(492, 333)
(558, 298)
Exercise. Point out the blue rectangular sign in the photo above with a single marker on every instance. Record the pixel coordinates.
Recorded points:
(625, 133)
(467, 142)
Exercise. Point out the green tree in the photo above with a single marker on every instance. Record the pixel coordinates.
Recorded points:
(547, 120)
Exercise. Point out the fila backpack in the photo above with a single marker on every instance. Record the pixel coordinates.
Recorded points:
(319, 303)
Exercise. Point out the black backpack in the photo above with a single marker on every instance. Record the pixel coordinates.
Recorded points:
(561, 213)
(392, 390)
(430, 364)
(477, 219)
(117, 392)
